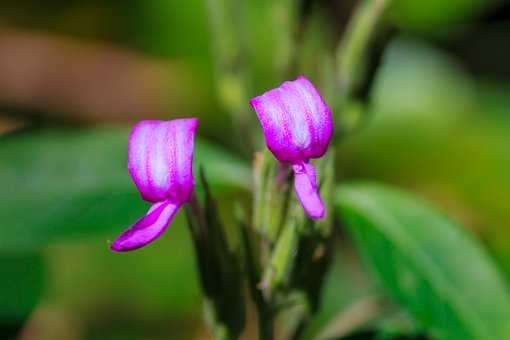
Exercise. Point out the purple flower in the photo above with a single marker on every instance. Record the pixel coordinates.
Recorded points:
(297, 126)
(160, 157)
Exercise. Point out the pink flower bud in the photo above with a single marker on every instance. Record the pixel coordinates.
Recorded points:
(297, 126)
(160, 159)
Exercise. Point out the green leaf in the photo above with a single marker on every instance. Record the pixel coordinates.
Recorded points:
(69, 182)
(21, 287)
(436, 17)
(427, 263)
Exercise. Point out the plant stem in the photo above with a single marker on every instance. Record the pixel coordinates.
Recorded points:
(353, 49)
(300, 329)
(281, 262)
(219, 269)
(266, 324)
(219, 330)
(357, 58)
(252, 265)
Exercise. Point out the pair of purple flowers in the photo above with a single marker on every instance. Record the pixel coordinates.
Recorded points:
(297, 127)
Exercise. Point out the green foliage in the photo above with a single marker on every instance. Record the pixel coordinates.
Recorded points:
(68, 183)
(436, 17)
(435, 128)
(21, 287)
(449, 145)
(427, 263)
(218, 265)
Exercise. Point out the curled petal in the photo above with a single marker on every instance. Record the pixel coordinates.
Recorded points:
(296, 121)
(275, 126)
(320, 115)
(160, 157)
(148, 228)
(305, 184)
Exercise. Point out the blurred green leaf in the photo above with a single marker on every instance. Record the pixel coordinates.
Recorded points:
(21, 287)
(165, 27)
(427, 263)
(446, 137)
(437, 17)
(346, 283)
(69, 182)
(156, 286)
(419, 82)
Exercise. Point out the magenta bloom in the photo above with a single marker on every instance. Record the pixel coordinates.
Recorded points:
(160, 158)
(297, 126)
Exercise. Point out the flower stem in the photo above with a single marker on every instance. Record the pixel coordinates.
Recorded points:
(281, 261)
(218, 268)
(266, 325)
(353, 49)
(357, 58)
(252, 265)
(219, 330)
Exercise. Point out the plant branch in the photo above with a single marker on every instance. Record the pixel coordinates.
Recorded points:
(353, 49)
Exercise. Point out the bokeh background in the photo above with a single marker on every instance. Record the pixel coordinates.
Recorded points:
(75, 74)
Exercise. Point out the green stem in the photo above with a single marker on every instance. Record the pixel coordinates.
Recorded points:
(219, 330)
(252, 265)
(300, 328)
(218, 269)
(282, 256)
(266, 325)
(354, 47)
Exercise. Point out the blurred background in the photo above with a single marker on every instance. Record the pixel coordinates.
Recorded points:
(75, 74)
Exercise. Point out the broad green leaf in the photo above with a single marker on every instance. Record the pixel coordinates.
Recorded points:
(427, 263)
(451, 146)
(67, 182)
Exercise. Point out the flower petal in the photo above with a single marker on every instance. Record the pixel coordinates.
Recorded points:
(319, 114)
(296, 121)
(160, 157)
(275, 125)
(148, 228)
(305, 184)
